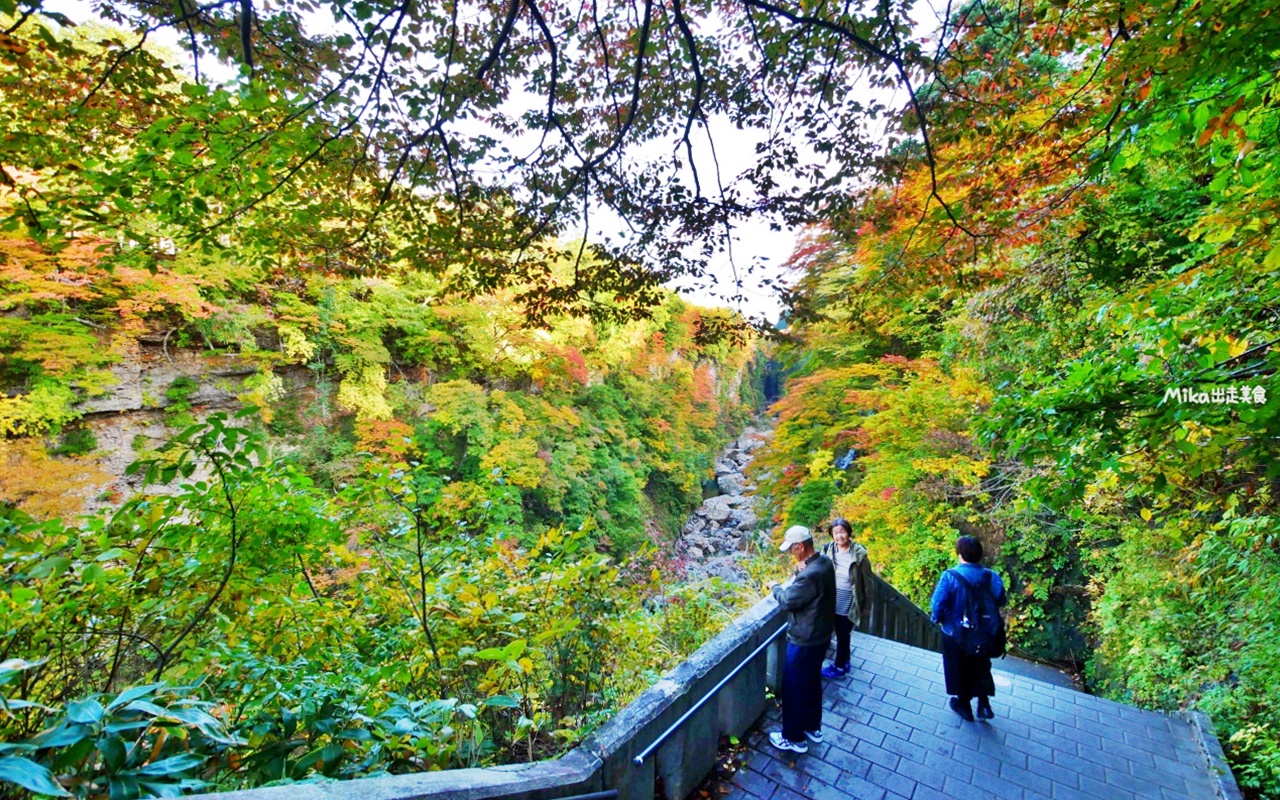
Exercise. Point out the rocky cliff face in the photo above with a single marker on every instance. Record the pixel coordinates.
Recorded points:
(143, 408)
(717, 535)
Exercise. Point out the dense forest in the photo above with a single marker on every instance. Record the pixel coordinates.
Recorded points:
(416, 439)
(399, 518)
(1062, 339)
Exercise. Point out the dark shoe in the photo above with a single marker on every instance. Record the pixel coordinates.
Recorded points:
(984, 708)
(834, 672)
(960, 708)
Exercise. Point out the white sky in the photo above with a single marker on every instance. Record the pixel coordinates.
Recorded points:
(758, 252)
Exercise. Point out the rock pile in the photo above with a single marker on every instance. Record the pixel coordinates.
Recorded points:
(724, 526)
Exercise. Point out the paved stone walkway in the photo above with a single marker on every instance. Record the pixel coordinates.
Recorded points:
(889, 735)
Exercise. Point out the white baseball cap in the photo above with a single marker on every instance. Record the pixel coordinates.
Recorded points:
(794, 535)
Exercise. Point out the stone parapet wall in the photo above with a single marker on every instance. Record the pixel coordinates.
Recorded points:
(606, 759)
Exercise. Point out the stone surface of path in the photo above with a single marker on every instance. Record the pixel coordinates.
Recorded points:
(889, 735)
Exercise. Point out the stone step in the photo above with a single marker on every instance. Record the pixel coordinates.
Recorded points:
(889, 735)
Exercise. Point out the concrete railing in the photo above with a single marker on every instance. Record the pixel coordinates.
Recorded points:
(606, 759)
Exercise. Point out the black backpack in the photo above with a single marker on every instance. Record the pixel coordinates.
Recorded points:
(980, 630)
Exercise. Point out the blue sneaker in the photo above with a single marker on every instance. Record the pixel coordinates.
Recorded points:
(834, 672)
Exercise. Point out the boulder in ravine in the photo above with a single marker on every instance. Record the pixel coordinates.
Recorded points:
(694, 526)
(717, 508)
(744, 519)
(726, 466)
(695, 553)
(749, 441)
(732, 483)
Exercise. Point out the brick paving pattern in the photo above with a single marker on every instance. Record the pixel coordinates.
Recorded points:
(890, 736)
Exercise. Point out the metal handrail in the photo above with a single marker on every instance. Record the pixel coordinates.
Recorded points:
(639, 760)
(608, 794)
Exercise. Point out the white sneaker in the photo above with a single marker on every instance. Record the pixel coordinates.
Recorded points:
(775, 739)
(814, 736)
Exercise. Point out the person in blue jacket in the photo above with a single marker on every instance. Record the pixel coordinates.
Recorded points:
(966, 676)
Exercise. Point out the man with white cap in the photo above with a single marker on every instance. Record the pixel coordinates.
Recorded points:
(810, 600)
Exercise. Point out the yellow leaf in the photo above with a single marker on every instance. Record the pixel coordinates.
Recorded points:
(1146, 514)
(1272, 261)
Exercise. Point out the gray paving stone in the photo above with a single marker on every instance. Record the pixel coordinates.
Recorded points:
(890, 736)
(896, 782)
(1191, 769)
(903, 748)
(1063, 792)
(861, 789)
(909, 680)
(876, 706)
(1082, 738)
(1031, 747)
(783, 793)
(864, 733)
(1079, 766)
(852, 714)
(1029, 781)
(755, 783)
(1134, 785)
(1104, 757)
(822, 791)
(992, 753)
(1100, 789)
(876, 755)
(949, 767)
(890, 726)
(931, 742)
(922, 773)
(847, 695)
(998, 786)
(901, 701)
(928, 793)
(798, 777)
(848, 763)
(960, 790)
(1058, 775)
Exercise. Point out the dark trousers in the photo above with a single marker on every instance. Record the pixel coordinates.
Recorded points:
(844, 626)
(966, 676)
(802, 691)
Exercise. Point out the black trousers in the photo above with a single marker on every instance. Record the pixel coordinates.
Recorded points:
(966, 676)
(844, 626)
(802, 691)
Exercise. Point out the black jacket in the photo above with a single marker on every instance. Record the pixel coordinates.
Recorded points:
(811, 602)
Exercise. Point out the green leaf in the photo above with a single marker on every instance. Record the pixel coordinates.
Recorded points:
(131, 694)
(113, 752)
(124, 787)
(85, 712)
(61, 736)
(501, 701)
(173, 765)
(31, 776)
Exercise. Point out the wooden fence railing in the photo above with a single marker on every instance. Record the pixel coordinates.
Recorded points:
(895, 617)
